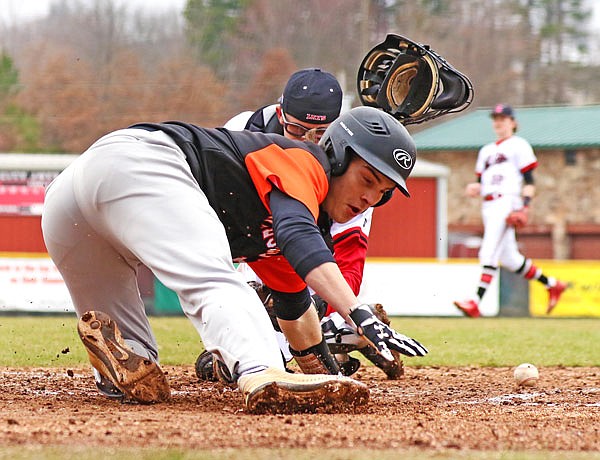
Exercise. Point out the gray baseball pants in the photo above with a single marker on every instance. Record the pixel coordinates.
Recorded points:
(130, 199)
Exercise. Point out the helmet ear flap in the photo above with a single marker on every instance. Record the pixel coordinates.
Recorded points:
(338, 159)
(387, 196)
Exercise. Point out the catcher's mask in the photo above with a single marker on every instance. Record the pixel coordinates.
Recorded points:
(377, 138)
(411, 82)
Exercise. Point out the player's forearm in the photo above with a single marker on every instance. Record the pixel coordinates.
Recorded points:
(473, 189)
(528, 193)
(327, 281)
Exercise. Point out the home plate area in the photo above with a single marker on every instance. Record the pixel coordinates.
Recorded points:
(435, 408)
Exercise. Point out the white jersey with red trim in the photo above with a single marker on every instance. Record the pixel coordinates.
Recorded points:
(500, 166)
(361, 221)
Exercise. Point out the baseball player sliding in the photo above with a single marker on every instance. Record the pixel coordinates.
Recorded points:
(505, 182)
(187, 202)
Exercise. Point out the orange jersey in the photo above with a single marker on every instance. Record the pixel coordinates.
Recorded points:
(237, 171)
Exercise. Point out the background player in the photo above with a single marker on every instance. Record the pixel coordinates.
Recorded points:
(505, 182)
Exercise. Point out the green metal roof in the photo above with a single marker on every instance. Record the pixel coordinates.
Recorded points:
(544, 127)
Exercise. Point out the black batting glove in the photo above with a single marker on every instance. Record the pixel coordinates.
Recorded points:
(382, 337)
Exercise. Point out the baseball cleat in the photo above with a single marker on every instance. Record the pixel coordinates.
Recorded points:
(554, 293)
(106, 387)
(210, 369)
(468, 307)
(205, 367)
(139, 378)
(274, 391)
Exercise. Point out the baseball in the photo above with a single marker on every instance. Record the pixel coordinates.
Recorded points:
(526, 375)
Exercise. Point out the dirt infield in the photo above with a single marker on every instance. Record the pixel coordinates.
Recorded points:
(429, 408)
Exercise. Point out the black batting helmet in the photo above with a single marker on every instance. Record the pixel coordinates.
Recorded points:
(377, 138)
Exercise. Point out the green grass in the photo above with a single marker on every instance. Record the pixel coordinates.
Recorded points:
(44, 340)
(52, 341)
(504, 341)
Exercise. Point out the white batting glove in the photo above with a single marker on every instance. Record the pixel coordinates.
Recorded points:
(383, 337)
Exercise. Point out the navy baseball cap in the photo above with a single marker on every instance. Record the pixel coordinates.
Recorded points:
(312, 96)
(503, 110)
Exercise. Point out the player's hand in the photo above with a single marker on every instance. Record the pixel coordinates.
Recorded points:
(473, 189)
(382, 337)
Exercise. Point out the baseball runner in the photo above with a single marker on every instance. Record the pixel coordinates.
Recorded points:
(505, 182)
(186, 202)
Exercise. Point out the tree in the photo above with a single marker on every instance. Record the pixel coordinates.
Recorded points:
(563, 36)
(209, 24)
(64, 97)
(9, 78)
(18, 129)
(91, 66)
(184, 90)
(314, 34)
(268, 83)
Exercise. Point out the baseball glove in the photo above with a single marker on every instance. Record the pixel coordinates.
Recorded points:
(518, 218)
(210, 369)
(411, 82)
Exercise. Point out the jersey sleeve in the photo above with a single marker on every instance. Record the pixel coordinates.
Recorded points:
(278, 274)
(350, 244)
(294, 171)
(480, 164)
(526, 159)
(238, 122)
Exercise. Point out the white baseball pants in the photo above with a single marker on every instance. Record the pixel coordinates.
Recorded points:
(499, 245)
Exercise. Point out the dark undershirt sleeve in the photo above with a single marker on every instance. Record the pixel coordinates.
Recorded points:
(528, 177)
(297, 234)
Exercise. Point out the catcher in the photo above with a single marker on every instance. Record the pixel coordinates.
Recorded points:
(505, 182)
(405, 79)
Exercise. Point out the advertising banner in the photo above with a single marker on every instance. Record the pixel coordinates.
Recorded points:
(22, 192)
(406, 287)
(582, 297)
(32, 284)
(410, 287)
